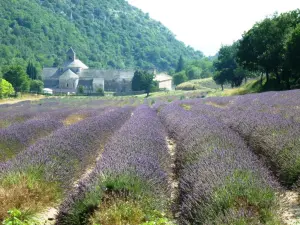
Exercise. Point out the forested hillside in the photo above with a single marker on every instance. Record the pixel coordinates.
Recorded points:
(105, 34)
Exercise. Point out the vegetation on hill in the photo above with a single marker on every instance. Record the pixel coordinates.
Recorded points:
(105, 34)
(270, 48)
(192, 69)
(199, 84)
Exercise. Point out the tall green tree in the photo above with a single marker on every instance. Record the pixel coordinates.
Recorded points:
(136, 83)
(263, 47)
(293, 52)
(17, 76)
(220, 77)
(32, 71)
(143, 81)
(180, 64)
(227, 68)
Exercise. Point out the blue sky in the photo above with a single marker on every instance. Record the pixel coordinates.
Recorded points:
(206, 25)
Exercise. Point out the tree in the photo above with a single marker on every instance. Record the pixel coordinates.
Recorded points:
(136, 81)
(32, 71)
(193, 72)
(220, 78)
(180, 77)
(100, 91)
(180, 65)
(228, 70)
(6, 88)
(80, 89)
(17, 76)
(293, 51)
(143, 80)
(36, 86)
(263, 47)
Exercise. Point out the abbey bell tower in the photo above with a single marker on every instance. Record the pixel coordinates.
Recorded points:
(71, 55)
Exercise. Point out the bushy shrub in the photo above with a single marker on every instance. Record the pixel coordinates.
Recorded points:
(100, 91)
(36, 86)
(6, 88)
(179, 78)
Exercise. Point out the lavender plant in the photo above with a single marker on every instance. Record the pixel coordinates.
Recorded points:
(17, 137)
(133, 166)
(67, 152)
(219, 177)
(261, 120)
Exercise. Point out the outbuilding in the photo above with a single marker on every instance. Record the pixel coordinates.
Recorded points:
(165, 81)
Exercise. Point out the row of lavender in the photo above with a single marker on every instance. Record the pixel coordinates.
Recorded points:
(62, 157)
(285, 103)
(269, 124)
(21, 135)
(220, 180)
(133, 168)
(11, 114)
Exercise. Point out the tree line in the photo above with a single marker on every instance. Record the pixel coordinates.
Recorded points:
(16, 78)
(270, 49)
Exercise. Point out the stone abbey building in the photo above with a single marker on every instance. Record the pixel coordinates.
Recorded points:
(74, 73)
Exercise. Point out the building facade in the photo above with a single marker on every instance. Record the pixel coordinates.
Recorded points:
(75, 73)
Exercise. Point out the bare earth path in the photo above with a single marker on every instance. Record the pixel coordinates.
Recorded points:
(48, 216)
(21, 99)
(290, 208)
(172, 177)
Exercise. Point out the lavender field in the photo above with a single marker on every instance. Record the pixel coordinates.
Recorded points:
(115, 161)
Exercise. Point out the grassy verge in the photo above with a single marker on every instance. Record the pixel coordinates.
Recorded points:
(241, 193)
(119, 200)
(252, 86)
(28, 192)
(207, 84)
(74, 118)
(23, 97)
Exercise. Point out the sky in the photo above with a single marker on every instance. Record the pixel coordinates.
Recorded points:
(207, 25)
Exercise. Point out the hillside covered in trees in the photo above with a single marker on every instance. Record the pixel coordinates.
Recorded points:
(105, 34)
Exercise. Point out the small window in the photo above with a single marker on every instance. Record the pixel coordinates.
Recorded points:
(67, 85)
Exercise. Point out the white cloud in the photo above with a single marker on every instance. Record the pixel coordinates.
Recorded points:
(206, 25)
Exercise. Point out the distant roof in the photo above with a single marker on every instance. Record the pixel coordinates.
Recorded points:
(51, 83)
(75, 64)
(85, 83)
(107, 74)
(48, 72)
(70, 51)
(162, 77)
(55, 73)
(69, 74)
